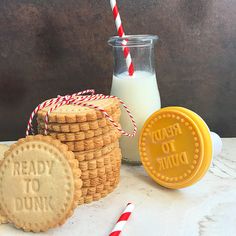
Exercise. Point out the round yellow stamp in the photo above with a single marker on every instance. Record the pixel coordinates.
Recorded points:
(173, 147)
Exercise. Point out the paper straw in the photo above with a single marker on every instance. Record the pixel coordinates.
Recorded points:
(122, 220)
(121, 33)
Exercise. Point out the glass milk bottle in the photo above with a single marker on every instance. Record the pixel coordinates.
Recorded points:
(139, 91)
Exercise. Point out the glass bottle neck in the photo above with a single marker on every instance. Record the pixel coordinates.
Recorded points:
(141, 50)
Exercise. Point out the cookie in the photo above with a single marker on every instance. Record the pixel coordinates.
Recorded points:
(80, 113)
(45, 180)
(108, 159)
(3, 217)
(97, 189)
(3, 149)
(83, 126)
(100, 172)
(95, 142)
(101, 180)
(92, 178)
(96, 153)
(97, 196)
(77, 136)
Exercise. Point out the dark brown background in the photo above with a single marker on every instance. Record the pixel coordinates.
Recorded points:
(59, 46)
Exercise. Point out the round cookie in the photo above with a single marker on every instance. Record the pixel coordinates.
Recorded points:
(101, 180)
(79, 127)
(97, 178)
(96, 153)
(79, 113)
(107, 170)
(98, 195)
(77, 136)
(95, 142)
(3, 217)
(100, 172)
(107, 159)
(3, 149)
(99, 188)
(45, 180)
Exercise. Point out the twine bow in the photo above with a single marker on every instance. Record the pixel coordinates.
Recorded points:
(79, 99)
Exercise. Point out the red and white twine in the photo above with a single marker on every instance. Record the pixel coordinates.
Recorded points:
(121, 34)
(122, 220)
(77, 99)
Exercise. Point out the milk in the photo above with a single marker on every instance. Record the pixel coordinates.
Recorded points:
(140, 93)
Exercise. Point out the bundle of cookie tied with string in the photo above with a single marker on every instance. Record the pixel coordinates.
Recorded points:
(92, 138)
(74, 160)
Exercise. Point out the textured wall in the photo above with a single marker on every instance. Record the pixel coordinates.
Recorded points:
(59, 46)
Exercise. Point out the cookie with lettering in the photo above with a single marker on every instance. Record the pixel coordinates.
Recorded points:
(45, 183)
(95, 142)
(79, 113)
(96, 153)
(80, 126)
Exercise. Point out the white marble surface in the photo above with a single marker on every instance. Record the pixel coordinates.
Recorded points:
(207, 208)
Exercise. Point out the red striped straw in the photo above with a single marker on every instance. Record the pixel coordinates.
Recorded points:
(122, 220)
(121, 34)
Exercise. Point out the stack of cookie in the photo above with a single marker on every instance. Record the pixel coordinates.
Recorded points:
(94, 141)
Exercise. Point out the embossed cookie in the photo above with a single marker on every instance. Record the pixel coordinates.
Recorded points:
(78, 113)
(45, 183)
(96, 153)
(77, 136)
(82, 126)
(3, 149)
(95, 142)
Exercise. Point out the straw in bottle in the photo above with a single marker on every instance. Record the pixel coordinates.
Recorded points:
(121, 33)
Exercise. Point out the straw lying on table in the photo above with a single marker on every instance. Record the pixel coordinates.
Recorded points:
(122, 220)
(121, 33)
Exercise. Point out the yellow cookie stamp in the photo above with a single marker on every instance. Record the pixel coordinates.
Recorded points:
(175, 147)
(39, 183)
